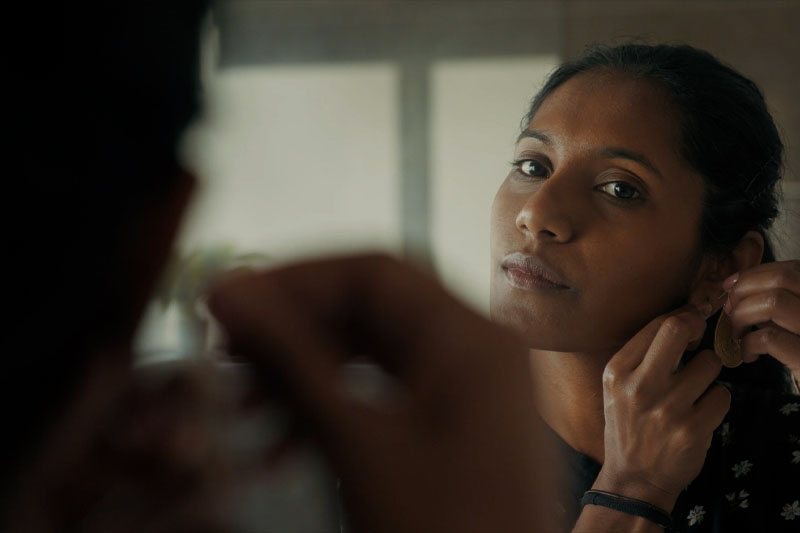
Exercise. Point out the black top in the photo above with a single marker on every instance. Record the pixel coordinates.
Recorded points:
(750, 481)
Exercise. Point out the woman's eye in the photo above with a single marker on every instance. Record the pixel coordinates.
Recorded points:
(532, 168)
(621, 190)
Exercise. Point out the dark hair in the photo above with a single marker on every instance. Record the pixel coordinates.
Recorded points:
(727, 135)
(100, 94)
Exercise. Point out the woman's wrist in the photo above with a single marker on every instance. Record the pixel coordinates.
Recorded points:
(596, 519)
(628, 506)
(637, 489)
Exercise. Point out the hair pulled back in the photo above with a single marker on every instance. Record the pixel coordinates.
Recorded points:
(727, 133)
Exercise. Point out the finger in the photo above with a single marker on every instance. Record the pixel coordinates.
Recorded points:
(777, 342)
(366, 303)
(92, 411)
(632, 354)
(288, 349)
(777, 275)
(381, 308)
(693, 380)
(710, 409)
(778, 306)
(674, 335)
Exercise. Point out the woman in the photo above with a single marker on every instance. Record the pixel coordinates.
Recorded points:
(643, 184)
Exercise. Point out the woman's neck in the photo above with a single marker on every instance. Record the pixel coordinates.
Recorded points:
(569, 397)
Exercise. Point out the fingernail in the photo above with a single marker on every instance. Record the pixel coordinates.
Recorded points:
(750, 357)
(730, 281)
(727, 306)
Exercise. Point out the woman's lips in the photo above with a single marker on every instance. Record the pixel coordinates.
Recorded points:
(529, 273)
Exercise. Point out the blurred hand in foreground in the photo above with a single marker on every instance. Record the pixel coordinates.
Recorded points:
(457, 448)
(132, 452)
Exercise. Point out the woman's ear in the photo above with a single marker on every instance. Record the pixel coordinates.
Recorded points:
(748, 252)
(717, 267)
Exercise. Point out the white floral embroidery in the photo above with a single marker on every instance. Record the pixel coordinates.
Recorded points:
(744, 503)
(790, 408)
(791, 511)
(741, 469)
(795, 457)
(696, 515)
(725, 433)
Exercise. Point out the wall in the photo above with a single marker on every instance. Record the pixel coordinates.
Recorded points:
(298, 159)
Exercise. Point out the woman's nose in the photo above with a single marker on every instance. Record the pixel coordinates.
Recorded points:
(546, 214)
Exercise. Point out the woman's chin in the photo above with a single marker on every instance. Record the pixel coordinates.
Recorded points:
(547, 333)
(537, 334)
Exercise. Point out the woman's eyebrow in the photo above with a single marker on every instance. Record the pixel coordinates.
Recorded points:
(621, 153)
(536, 134)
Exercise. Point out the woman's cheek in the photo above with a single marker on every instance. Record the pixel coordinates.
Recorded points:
(657, 285)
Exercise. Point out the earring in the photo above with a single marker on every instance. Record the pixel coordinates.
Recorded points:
(727, 348)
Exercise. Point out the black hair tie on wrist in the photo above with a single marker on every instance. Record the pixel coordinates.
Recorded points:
(628, 506)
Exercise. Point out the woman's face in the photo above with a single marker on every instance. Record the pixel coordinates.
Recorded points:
(595, 230)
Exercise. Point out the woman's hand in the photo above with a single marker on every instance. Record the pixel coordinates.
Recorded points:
(767, 297)
(660, 419)
(458, 448)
